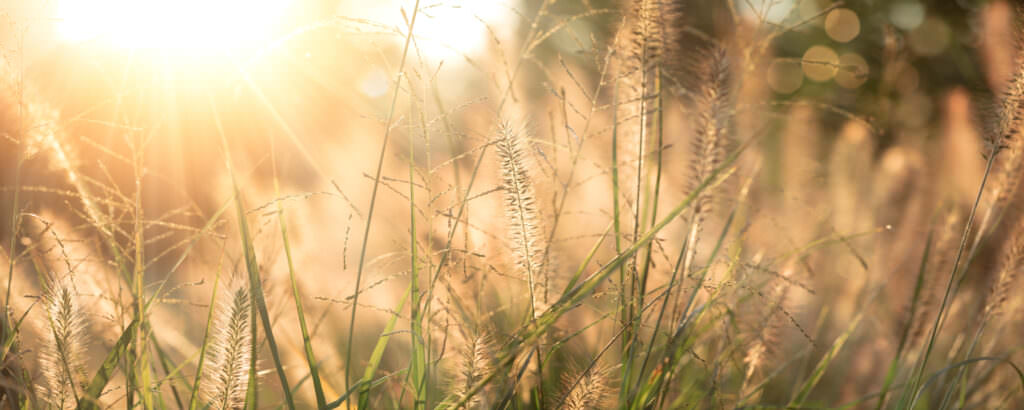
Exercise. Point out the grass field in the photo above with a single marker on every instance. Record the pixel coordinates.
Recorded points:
(579, 204)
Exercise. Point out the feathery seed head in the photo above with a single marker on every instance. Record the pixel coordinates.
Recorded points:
(713, 120)
(63, 353)
(226, 380)
(475, 365)
(521, 209)
(591, 392)
(1013, 262)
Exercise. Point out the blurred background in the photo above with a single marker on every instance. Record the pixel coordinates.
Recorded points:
(868, 119)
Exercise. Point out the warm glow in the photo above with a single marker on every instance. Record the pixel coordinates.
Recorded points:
(182, 25)
(452, 29)
(445, 30)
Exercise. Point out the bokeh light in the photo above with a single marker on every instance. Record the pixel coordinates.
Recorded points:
(842, 25)
(906, 15)
(853, 71)
(820, 63)
(374, 83)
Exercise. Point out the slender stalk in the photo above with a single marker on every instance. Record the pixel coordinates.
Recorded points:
(947, 296)
(418, 362)
(373, 197)
(193, 401)
(314, 373)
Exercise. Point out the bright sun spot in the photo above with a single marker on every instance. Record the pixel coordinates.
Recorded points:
(450, 29)
(445, 29)
(181, 25)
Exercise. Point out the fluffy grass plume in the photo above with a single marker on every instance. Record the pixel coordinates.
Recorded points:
(224, 384)
(1002, 130)
(63, 351)
(764, 345)
(713, 120)
(587, 389)
(476, 356)
(712, 128)
(1009, 270)
(523, 218)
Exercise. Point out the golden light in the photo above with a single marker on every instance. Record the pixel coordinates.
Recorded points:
(445, 30)
(853, 71)
(456, 28)
(187, 26)
(820, 63)
(842, 25)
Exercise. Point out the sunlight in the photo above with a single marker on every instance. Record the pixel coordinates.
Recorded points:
(454, 28)
(186, 26)
(449, 29)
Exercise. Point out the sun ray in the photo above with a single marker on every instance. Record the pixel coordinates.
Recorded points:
(192, 26)
(282, 123)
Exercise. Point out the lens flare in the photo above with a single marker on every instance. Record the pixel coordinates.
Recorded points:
(182, 25)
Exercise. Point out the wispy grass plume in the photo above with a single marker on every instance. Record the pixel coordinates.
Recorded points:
(230, 351)
(476, 364)
(521, 212)
(1003, 130)
(763, 345)
(1013, 262)
(63, 351)
(711, 136)
(587, 389)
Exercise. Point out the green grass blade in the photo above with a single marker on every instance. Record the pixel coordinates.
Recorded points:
(894, 366)
(193, 400)
(586, 261)
(419, 361)
(819, 370)
(961, 364)
(165, 364)
(377, 355)
(256, 287)
(373, 196)
(321, 401)
(90, 398)
(950, 291)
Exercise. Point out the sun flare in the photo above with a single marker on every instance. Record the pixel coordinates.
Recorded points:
(192, 26)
